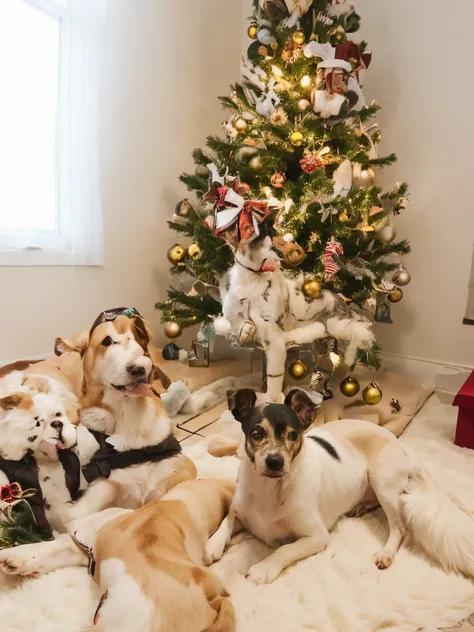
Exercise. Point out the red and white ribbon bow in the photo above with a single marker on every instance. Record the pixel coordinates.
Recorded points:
(333, 249)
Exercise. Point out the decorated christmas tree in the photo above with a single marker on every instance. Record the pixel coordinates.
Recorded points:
(301, 144)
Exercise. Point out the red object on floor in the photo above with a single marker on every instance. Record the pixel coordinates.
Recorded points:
(465, 427)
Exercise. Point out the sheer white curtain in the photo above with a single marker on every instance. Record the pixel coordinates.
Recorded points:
(50, 198)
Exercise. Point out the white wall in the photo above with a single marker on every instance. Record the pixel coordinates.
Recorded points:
(421, 75)
(164, 65)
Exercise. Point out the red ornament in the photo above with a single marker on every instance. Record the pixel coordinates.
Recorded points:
(242, 188)
(8, 493)
(278, 180)
(311, 162)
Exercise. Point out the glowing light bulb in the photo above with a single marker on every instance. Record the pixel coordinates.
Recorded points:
(305, 81)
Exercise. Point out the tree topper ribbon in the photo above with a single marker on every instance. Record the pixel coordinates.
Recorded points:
(232, 208)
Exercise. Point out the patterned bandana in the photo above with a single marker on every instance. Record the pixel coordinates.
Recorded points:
(112, 314)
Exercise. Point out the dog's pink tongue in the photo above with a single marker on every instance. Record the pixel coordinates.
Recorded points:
(138, 389)
(269, 265)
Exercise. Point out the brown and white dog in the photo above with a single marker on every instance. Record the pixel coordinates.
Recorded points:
(292, 488)
(112, 373)
(149, 562)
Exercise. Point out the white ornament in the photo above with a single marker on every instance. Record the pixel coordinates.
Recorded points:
(265, 37)
(289, 238)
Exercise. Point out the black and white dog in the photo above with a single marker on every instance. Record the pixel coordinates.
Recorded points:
(293, 488)
(261, 302)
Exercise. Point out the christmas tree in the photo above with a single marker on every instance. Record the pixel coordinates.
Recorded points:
(301, 140)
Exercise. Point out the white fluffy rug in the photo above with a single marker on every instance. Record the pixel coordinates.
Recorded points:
(338, 590)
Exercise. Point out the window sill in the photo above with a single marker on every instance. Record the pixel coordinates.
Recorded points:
(40, 258)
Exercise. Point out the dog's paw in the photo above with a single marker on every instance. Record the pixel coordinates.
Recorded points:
(214, 550)
(262, 573)
(382, 560)
(15, 562)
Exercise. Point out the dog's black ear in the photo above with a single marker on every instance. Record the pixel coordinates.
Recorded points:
(241, 402)
(305, 405)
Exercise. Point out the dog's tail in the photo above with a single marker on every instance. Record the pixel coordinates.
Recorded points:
(225, 621)
(220, 446)
(439, 522)
(357, 333)
(216, 393)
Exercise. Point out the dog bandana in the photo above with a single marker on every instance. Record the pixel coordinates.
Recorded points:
(22, 501)
(107, 458)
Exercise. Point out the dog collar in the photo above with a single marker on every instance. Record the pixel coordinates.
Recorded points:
(112, 314)
(260, 271)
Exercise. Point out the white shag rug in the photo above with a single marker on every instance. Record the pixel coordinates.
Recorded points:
(339, 590)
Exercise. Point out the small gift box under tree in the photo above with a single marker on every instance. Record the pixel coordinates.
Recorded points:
(465, 426)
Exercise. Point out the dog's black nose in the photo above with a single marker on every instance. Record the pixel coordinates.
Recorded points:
(57, 425)
(274, 462)
(136, 371)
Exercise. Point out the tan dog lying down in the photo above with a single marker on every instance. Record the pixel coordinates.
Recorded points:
(149, 562)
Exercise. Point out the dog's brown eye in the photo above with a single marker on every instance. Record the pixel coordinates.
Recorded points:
(293, 435)
(107, 341)
(258, 433)
(58, 414)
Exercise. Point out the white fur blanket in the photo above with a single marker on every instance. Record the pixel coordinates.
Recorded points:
(338, 590)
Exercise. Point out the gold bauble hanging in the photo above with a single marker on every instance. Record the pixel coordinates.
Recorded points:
(372, 394)
(312, 288)
(401, 277)
(395, 295)
(297, 138)
(298, 370)
(387, 233)
(343, 217)
(252, 31)
(240, 124)
(173, 330)
(176, 253)
(299, 37)
(194, 251)
(350, 386)
(363, 177)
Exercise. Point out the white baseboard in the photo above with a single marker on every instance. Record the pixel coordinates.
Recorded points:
(446, 378)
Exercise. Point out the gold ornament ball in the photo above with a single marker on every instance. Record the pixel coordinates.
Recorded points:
(350, 386)
(343, 217)
(194, 251)
(312, 288)
(363, 178)
(303, 105)
(372, 394)
(255, 162)
(298, 370)
(263, 51)
(252, 31)
(396, 295)
(402, 277)
(297, 139)
(240, 124)
(299, 37)
(278, 180)
(176, 253)
(172, 330)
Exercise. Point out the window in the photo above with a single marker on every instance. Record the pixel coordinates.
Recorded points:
(41, 222)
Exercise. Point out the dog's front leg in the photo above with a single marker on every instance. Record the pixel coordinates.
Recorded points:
(217, 544)
(101, 495)
(276, 358)
(98, 419)
(267, 571)
(39, 558)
